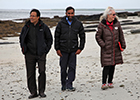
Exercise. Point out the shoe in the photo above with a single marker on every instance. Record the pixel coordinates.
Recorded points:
(63, 88)
(42, 95)
(33, 96)
(110, 85)
(104, 87)
(71, 89)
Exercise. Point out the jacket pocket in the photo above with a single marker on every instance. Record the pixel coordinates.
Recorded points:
(63, 42)
(24, 49)
(74, 44)
(75, 31)
(46, 48)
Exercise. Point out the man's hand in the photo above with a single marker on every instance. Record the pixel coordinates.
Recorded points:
(59, 53)
(78, 51)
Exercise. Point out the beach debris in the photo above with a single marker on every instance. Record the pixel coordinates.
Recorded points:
(134, 31)
(122, 85)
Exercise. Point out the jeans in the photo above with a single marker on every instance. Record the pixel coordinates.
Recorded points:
(68, 68)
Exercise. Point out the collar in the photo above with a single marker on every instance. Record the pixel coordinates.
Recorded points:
(109, 24)
(40, 23)
(68, 21)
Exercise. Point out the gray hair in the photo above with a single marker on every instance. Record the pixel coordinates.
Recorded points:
(108, 11)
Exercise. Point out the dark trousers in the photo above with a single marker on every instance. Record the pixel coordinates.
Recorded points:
(68, 68)
(108, 72)
(31, 61)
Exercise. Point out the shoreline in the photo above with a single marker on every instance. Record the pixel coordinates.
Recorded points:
(10, 28)
(82, 11)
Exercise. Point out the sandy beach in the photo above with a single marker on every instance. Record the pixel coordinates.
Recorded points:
(13, 82)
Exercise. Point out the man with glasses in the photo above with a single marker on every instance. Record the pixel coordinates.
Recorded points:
(69, 41)
(35, 42)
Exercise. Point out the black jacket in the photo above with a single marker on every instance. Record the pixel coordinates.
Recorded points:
(43, 38)
(66, 36)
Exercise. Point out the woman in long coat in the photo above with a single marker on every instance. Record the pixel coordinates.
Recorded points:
(111, 40)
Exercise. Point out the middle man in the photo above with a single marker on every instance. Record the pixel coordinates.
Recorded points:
(69, 41)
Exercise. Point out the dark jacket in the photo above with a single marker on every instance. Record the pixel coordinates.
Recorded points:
(108, 41)
(66, 36)
(43, 38)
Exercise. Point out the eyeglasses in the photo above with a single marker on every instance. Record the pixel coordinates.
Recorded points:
(114, 14)
(71, 13)
(32, 16)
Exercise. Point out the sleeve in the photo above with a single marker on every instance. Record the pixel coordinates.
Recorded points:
(49, 39)
(121, 37)
(99, 36)
(20, 37)
(21, 40)
(57, 37)
(82, 37)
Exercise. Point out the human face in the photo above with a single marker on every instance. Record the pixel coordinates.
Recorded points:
(70, 14)
(112, 16)
(34, 18)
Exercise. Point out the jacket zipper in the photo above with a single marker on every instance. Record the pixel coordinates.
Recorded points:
(113, 48)
(69, 38)
(113, 39)
(113, 35)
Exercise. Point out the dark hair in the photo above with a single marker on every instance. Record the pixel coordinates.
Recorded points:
(35, 10)
(69, 8)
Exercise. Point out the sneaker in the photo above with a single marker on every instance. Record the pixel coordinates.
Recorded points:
(42, 95)
(63, 88)
(104, 87)
(33, 96)
(71, 89)
(110, 85)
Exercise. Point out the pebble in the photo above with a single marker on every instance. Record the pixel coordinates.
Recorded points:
(122, 85)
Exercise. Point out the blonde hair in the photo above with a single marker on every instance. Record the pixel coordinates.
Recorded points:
(108, 11)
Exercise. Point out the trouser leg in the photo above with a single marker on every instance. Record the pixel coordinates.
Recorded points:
(42, 74)
(105, 74)
(111, 73)
(72, 69)
(30, 61)
(63, 65)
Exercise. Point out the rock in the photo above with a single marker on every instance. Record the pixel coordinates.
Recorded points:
(122, 85)
(90, 30)
(10, 28)
(88, 17)
(123, 15)
(129, 92)
(56, 16)
(137, 13)
(91, 26)
(131, 23)
(8, 43)
(83, 85)
(135, 31)
(127, 21)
